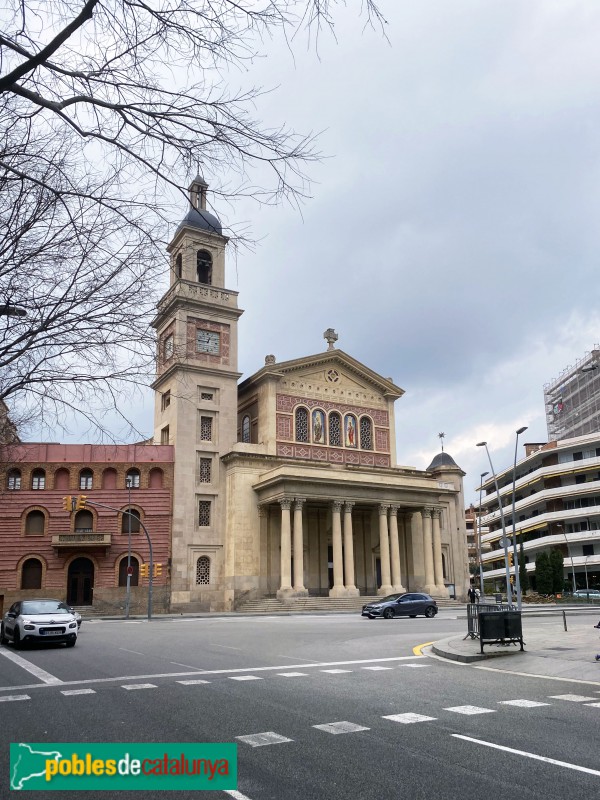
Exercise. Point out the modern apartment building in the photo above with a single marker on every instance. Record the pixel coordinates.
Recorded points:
(573, 399)
(557, 505)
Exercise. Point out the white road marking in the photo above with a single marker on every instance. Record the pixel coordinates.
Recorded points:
(135, 652)
(235, 794)
(45, 677)
(522, 703)
(192, 683)
(559, 678)
(524, 753)
(139, 686)
(593, 705)
(573, 698)
(189, 666)
(245, 678)
(408, 718)
(470, 710)
(260, 739)
(225, 646)
(376, 668)
(414, 665)
(293, 674)
(340, 727)
(336, 671)
(70, 692)
(9, 698)
(212, 672)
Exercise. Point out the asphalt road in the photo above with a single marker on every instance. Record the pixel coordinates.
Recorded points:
(332, 693)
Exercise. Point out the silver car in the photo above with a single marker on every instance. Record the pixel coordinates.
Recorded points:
(29, 621)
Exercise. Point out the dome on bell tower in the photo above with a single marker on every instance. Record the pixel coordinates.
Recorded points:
(198, 216)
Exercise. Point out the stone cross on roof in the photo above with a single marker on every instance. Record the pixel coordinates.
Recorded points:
(330, 337)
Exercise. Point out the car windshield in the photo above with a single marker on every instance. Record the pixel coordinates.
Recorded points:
(390, 597)
(43, 607)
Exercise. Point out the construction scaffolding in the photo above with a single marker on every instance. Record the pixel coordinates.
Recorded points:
(573, 400)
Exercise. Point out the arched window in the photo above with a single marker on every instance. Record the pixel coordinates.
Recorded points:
(366, 434)
(246, 429)
(135, 575)
(301, 424)
(350, 431)
(86, 477)
(31, 574)
(132, 479)
(84, 522)
(35, 523)
(178, 266)
(156, 478)
(135, 521)
(204, 267)
(335, 429)
(38, 479)
(13, 480)
(203, 571)
(109, 478)
(61, 479)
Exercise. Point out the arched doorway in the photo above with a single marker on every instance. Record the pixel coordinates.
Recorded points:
(80, 582)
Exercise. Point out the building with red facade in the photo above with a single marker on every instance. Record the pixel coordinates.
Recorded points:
(82, 556)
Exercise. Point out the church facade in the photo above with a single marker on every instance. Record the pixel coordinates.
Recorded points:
(287, 484)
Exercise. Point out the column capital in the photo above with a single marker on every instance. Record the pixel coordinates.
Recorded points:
(394, 508)
(263, 510)
(336, 505)
(285, 503)
(437, 513)
(299, 501)
(348, 506)
(427, 511)
(383, 508)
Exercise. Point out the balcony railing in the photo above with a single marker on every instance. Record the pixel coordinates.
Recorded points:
(80, 539)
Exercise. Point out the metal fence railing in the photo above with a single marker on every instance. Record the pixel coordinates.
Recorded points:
(473, 610)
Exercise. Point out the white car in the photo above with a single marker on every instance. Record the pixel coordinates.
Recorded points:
(593, 594)
(44, 620)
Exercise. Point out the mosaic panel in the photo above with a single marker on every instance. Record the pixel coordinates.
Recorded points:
(287, 403)
(382, 439)
(284, 427)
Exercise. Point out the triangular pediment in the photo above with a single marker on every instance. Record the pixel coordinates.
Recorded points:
(330, 373)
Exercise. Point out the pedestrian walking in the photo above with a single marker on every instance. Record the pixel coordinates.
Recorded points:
(477, 595)
(471, 594)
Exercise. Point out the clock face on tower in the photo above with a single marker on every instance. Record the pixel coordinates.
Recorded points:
(208, 342)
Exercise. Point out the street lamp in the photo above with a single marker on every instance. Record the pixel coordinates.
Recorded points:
(12, 311)
(558, 525)
(515, 557)
(504, 540)
(481, 477)
(128, 482)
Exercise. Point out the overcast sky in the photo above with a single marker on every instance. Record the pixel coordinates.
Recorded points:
(452, 234)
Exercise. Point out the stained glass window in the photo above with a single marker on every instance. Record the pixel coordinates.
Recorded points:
(204, 513)
(335, 429)
(366, 434)
(301, 425)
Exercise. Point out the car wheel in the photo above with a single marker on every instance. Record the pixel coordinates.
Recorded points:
(17, 639)
(389, 613)
(3, 639)
(430, 612)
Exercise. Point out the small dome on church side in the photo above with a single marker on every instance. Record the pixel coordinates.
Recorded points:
(442, 460)
(202, 219)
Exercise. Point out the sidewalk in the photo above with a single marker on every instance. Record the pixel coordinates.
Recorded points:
(550, 651)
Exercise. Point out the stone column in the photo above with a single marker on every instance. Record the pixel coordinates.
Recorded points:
(384, 551)
(299, 548)
(395, 551)
(338, 589)
(430, 586)
(351, 589)
(264, 567)
(438, 567)
(285, 588)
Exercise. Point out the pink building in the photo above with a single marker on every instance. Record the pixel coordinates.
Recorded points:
(82, 556)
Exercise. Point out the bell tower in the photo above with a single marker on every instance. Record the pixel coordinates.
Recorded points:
(196, 401)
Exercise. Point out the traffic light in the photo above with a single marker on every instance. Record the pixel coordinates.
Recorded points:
(157, 570)
(68, 503)
(510, 560)
(144, 570)
(81, 501)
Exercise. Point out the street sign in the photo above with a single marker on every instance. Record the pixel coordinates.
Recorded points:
(130, 570)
